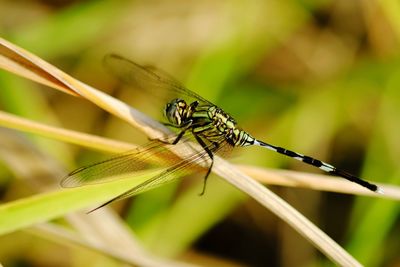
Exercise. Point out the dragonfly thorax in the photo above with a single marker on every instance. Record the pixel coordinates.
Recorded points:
(208, 122)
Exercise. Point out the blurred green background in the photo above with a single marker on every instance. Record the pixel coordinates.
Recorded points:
(320, 77)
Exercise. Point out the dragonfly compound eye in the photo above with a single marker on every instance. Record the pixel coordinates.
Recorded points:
(174, 111)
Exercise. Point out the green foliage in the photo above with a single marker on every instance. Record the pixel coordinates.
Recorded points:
(301, 74)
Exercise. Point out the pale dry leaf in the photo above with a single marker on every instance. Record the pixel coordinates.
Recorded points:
(21, 62)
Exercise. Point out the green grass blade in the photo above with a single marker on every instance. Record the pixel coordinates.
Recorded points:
(25, 212)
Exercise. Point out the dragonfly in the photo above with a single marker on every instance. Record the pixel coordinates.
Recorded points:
(192, 116)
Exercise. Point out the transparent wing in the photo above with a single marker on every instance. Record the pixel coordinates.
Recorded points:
(125, 163)
(195, 162)
(155, 153)
(148, 78)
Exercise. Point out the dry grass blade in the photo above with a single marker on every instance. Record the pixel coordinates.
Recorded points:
(77, 138)
(287, 213)
(23, 63)
(57, 233)
(101, 228)
(316, 182)
(289, 178)
(221, 167)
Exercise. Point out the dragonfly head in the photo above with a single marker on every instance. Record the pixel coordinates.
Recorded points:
(174, 111)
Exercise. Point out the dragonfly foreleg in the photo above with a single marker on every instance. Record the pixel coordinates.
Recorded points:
(185, 127)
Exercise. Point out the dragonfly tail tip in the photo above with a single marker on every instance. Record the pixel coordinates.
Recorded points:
(380, 190)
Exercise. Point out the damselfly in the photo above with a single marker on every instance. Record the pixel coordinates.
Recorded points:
(212, 128)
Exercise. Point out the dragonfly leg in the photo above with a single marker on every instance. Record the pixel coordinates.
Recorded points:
(165, 136)
(169, 124)
(179, 137)
(185, 127)
(211, 155)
